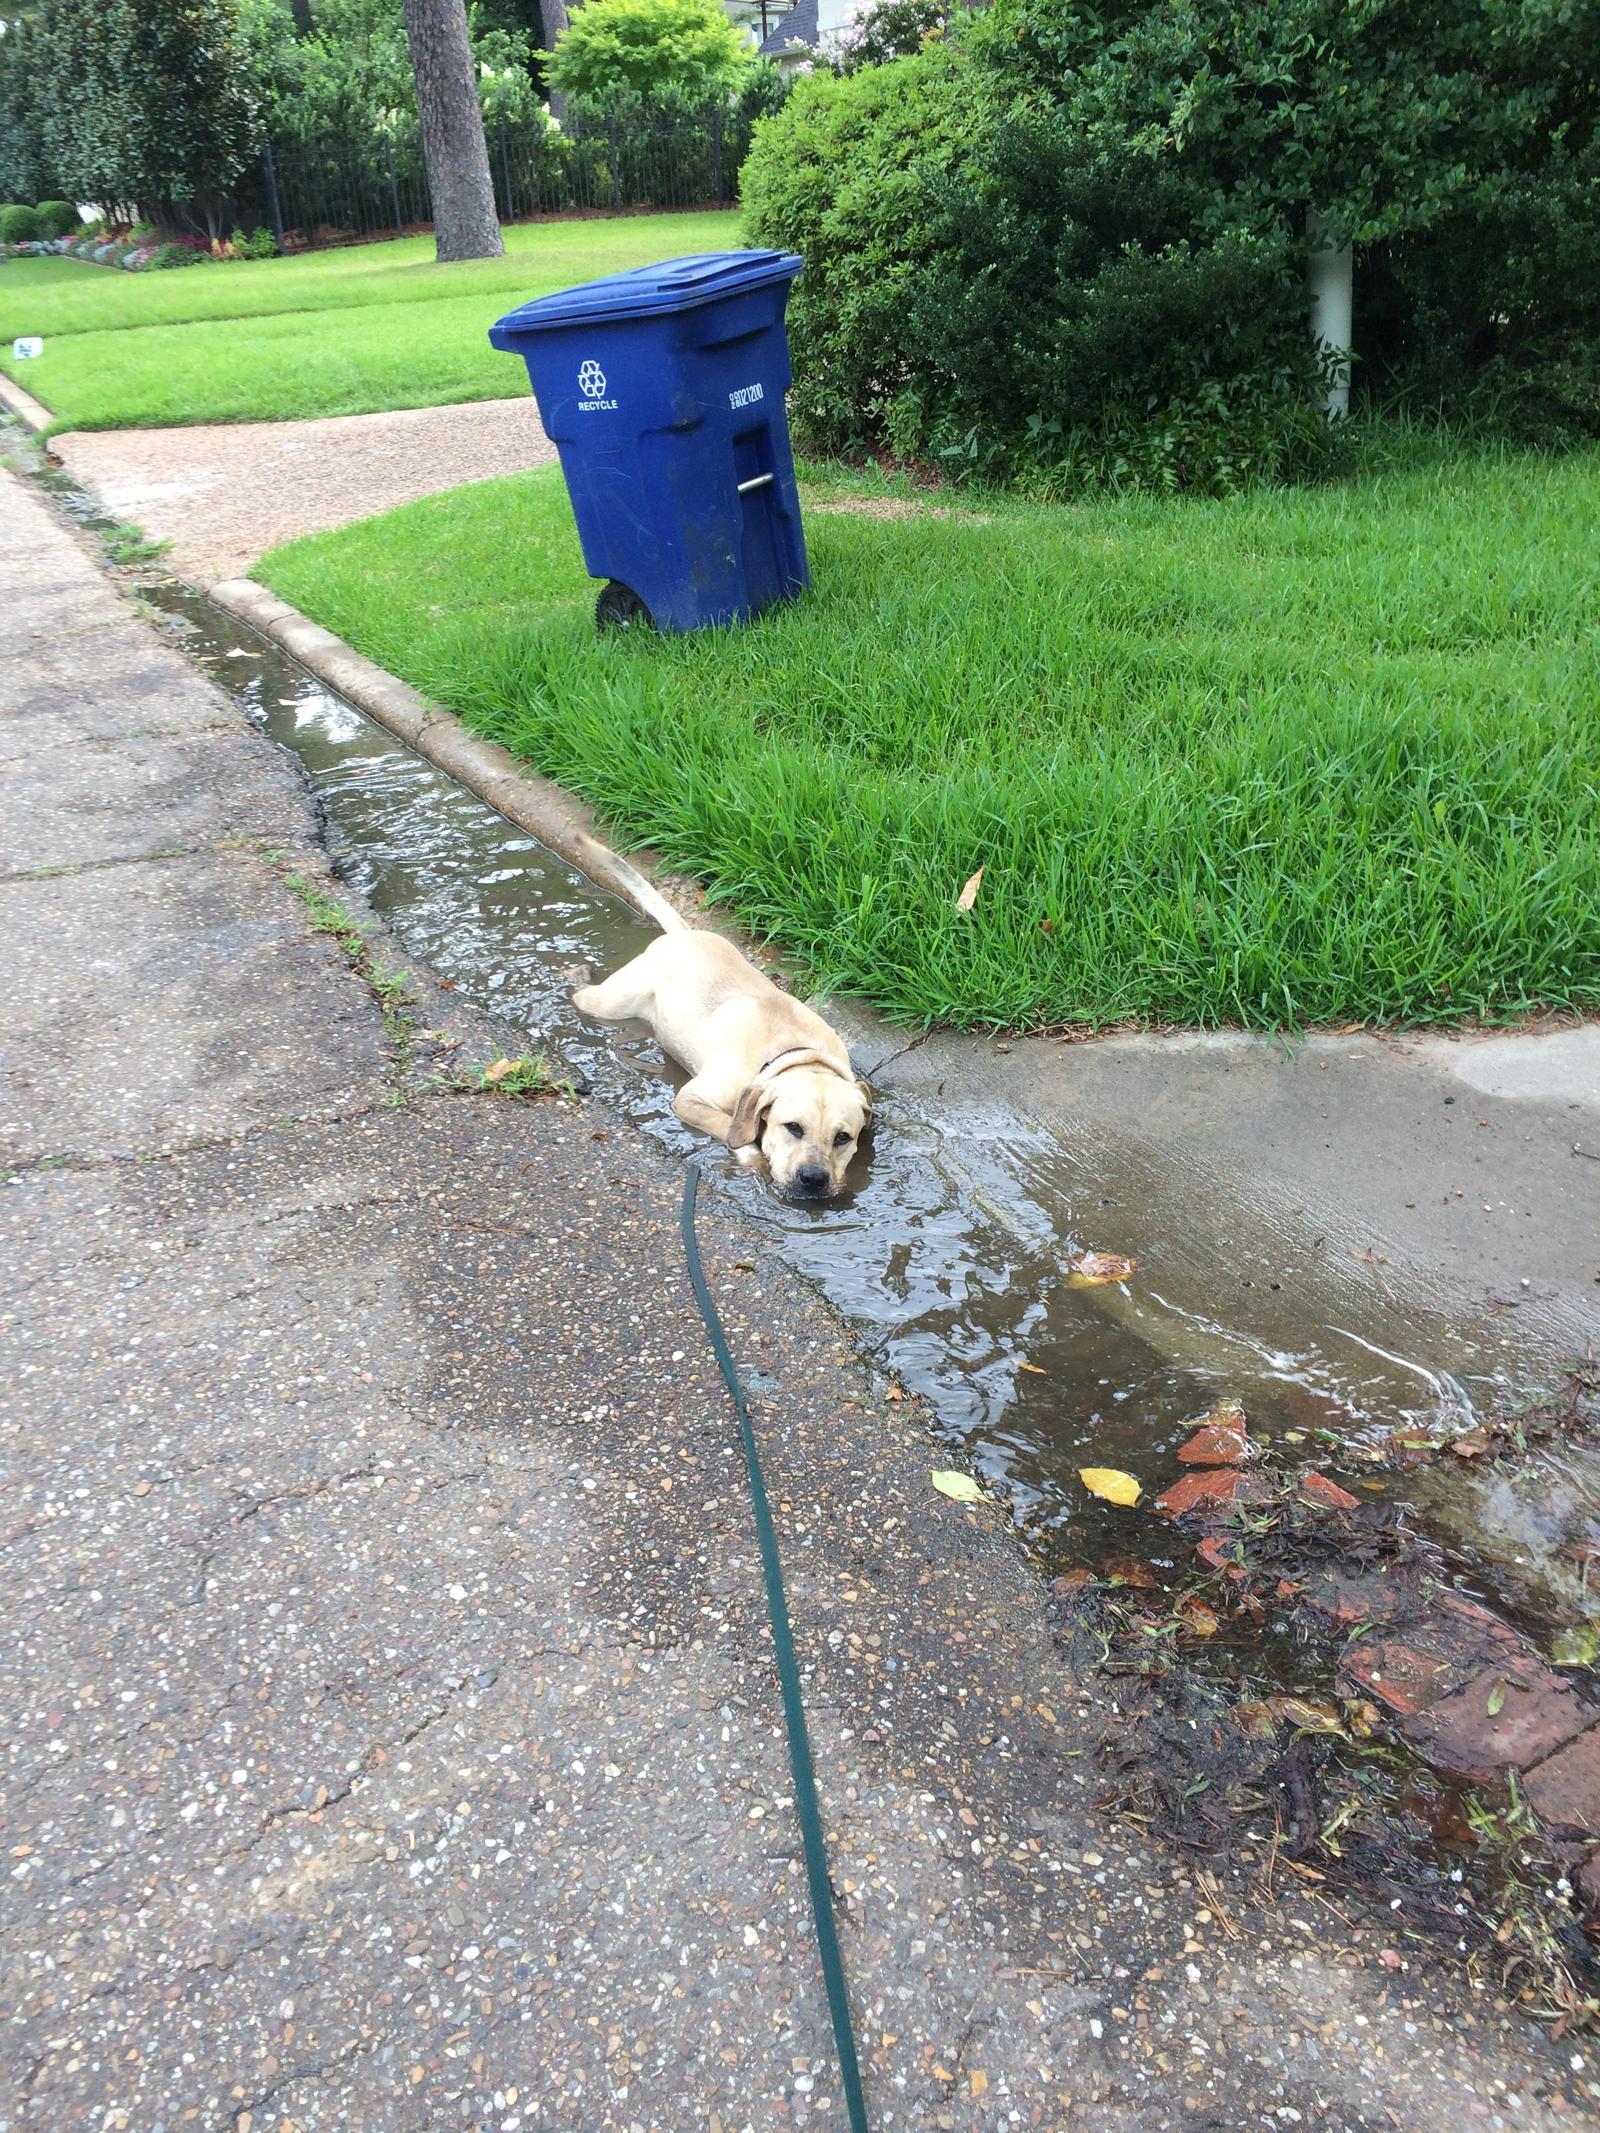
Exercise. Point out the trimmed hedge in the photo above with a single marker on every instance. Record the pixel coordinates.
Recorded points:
(19, 225)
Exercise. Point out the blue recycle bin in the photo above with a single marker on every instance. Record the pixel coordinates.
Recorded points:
(663, 390)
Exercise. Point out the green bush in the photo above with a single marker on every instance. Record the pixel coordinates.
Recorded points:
(177, 255)
(18, 225)
(844, 175)
(1078, 319)
(260, 244)
(1067, 240)
(58, 218)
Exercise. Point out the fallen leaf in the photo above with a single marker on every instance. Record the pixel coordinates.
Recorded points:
(1197, 1616)
(961, 1488)
(1310, 1717)
(1092, 1270)
(498, 1069)
(1032, 1369)
(1128, 1570)
(1071, 1581)
(1576, 1647)
(1472, 1443)
(969, 895)
(1111, 1483)
(1257, 1721)
(1496, 1702)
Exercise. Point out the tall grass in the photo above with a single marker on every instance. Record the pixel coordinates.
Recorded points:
(1281, 759)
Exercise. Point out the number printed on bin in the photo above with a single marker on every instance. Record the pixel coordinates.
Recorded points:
(744, 395)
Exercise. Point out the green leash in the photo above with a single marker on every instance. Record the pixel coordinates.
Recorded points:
(794, 1715)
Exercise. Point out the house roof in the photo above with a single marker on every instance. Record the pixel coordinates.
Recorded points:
(798, 26)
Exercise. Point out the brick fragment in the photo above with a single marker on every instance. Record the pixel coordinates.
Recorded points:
(1216, 1444)
(1538, 1714)
(1419, 1661)
(1317, 1488)
(1209, 1489)
(1564, 1790)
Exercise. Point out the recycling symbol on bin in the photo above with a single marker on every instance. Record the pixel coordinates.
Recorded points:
(591, 380)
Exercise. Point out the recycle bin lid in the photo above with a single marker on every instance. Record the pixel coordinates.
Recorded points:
(649, 292)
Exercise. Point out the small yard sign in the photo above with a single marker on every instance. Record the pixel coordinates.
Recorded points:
(28, 344)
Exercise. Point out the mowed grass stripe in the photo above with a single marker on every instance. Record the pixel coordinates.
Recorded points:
(1283, 759)
(330, 333)
(57, 295)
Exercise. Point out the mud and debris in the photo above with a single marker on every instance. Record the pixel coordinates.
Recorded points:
(1302, 1673)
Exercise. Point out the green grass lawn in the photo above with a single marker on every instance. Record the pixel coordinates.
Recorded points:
(339, 332)
(1289, 758)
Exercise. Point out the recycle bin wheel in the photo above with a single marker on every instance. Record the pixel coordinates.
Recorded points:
(620, 608)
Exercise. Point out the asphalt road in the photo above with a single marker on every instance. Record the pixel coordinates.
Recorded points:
(391, 1739)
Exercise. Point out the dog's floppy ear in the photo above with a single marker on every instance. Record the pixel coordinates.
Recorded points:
(745, 1130)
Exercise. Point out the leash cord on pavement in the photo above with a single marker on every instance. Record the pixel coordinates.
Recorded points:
(794, 1715)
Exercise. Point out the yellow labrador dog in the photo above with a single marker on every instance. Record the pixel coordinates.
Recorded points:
(770, 1078)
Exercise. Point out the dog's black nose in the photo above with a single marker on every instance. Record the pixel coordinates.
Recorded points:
(811, 1177)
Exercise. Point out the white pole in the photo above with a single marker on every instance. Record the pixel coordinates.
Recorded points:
(1329, 277)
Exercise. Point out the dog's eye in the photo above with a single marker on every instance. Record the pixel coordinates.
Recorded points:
(793, 1126)
(843, 1140)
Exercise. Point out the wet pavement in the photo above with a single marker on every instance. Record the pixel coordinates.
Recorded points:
(394, 1741)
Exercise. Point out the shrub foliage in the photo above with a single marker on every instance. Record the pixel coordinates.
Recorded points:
(1069, 240)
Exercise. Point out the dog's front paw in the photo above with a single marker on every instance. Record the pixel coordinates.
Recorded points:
(749, 1157)
(576, 974)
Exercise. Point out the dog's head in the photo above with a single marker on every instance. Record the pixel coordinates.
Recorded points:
(807, 1121)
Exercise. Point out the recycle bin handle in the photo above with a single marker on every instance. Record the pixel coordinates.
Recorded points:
(756, 481)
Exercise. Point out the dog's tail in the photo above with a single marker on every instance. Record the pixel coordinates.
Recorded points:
(613, 872)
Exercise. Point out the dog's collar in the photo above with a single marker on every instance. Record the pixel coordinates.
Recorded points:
(796, 1052)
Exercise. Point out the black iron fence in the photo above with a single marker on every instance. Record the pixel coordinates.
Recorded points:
(340, 190)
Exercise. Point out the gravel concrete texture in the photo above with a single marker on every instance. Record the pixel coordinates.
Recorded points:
(224, 493)
(393, 1741)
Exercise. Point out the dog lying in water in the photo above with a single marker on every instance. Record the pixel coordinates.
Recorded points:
(770, 1078)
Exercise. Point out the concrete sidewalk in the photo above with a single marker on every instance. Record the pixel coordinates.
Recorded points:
(393, 1742)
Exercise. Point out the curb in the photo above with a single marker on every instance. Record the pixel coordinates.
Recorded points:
(493, 773)
(23, 405)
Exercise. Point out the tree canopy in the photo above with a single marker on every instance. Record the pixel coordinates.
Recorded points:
(650, 49)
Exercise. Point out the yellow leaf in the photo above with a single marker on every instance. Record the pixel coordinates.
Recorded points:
(969, 895)
(499, 1069)
(1111, 1483)
(961, 1487)
(1032, 1368)
(1092, 1270)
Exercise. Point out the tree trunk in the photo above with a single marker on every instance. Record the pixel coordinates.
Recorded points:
(464, 223)
(301, 11)
(553, 14)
